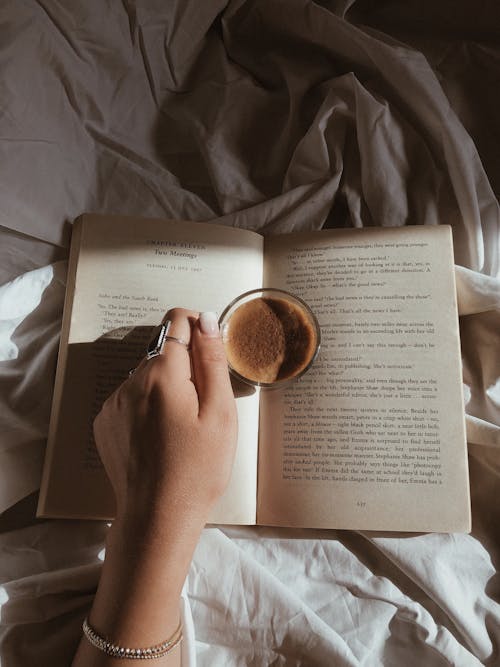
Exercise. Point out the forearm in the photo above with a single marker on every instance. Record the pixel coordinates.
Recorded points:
(137, 601)
(167, 438)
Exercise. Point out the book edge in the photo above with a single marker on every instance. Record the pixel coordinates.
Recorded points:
(76, 238)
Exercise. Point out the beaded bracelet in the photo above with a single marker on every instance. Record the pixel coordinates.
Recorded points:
(115, 651)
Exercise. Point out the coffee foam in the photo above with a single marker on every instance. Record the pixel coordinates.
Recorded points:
(269, 339)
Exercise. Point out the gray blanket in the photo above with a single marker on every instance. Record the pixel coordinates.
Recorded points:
(273, 115)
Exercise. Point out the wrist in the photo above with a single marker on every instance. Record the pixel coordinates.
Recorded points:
(159, 544)
(158, 522)
(143, 574)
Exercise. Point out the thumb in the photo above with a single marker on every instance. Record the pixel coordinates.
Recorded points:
(211, 373)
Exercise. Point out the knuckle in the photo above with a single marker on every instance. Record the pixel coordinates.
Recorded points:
(105, 408)
(213, 353)
(157, 366)
(115, 401)
(154, 374)
(215, 356)
(177, 313)
(97, 424)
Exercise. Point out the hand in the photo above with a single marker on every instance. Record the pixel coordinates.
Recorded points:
(167, 439)
(167, 435)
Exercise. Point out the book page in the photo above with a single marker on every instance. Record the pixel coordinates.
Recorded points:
(129, 273)
(373, 436)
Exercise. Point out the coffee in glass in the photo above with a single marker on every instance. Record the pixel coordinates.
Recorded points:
(271, 337)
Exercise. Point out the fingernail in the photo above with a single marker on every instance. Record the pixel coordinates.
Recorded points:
(209, 324)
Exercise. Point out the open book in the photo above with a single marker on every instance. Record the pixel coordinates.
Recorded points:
(372, 437)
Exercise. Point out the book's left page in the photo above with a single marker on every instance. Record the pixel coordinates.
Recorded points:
(124, 274)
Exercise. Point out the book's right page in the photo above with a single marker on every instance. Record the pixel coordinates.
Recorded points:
(373, 436)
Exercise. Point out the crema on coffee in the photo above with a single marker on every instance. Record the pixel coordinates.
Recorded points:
(269, 339)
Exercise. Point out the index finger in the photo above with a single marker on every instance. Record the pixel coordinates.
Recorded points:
(174, 357)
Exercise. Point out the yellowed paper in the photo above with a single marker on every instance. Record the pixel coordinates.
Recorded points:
(129, 273)
(373, 436)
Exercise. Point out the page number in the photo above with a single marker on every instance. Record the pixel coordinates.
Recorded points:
(361, 503)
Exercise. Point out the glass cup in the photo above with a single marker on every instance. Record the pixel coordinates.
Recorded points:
(271, 337)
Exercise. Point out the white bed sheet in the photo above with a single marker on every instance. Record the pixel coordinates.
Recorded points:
(250, 115)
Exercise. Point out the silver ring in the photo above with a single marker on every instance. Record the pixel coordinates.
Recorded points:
(173, 339)
(157, 343)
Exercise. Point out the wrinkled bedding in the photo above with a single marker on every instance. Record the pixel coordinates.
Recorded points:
(276, 116)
